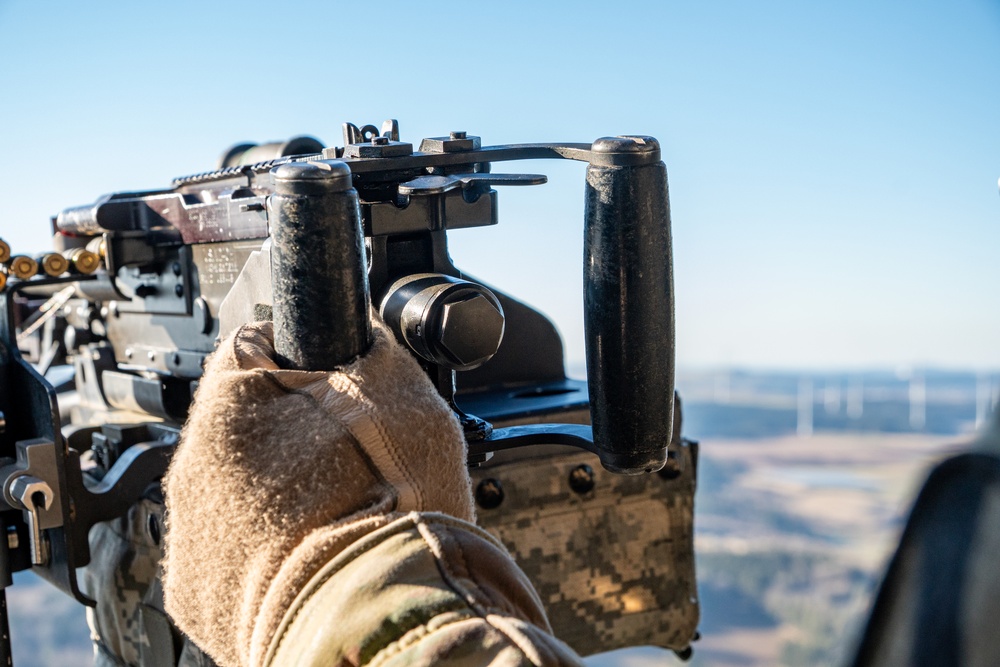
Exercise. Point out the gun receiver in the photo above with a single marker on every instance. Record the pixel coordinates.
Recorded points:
(305, 238)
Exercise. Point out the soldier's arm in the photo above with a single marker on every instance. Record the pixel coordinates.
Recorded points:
(326, 518)
(424, 589)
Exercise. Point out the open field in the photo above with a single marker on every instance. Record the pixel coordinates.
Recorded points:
(792, 535)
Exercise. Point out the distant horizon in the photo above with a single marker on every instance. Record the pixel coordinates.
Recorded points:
(818, 370)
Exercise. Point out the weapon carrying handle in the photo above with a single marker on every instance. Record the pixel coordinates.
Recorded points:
(319, 276)
(629, 308)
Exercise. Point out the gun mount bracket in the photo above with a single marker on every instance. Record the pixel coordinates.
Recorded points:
(31, 485)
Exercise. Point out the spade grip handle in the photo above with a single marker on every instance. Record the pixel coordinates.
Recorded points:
(319, 276)
(629, 308)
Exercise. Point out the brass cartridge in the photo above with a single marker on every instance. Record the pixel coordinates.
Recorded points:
(83, 261)
(53, 264)
(22, 267)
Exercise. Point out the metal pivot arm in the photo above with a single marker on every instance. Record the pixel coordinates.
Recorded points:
(575, 435)
(629, 308)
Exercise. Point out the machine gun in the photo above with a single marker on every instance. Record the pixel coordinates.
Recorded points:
(143, 285)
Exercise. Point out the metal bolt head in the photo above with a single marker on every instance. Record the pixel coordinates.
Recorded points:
(581, 479)
(455, 142)
(489, 494)
(471, 330)
(31, 492)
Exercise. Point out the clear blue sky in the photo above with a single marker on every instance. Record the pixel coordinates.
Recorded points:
(833, 166)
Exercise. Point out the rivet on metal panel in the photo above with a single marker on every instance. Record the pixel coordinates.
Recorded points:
(489, 494)
(581, 479)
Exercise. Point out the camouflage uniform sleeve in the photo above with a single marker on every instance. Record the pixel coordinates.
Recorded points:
(425, 589)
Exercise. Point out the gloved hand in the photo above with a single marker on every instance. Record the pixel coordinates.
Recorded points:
(278, 471)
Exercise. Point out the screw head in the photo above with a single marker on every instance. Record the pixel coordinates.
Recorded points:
(581, 479)
(489, 494)
(460, 134)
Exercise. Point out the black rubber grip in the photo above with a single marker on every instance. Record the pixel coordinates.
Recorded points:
(318, 271)
(629, 309)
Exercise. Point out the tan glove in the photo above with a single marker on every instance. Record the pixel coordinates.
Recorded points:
(278, 471)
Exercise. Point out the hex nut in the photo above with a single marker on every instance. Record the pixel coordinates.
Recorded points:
(471, 330)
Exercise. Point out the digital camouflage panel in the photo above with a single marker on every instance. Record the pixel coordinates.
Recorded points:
(128, 626)
(612, 556)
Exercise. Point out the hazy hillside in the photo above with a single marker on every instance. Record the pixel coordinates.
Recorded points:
(802, 490)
